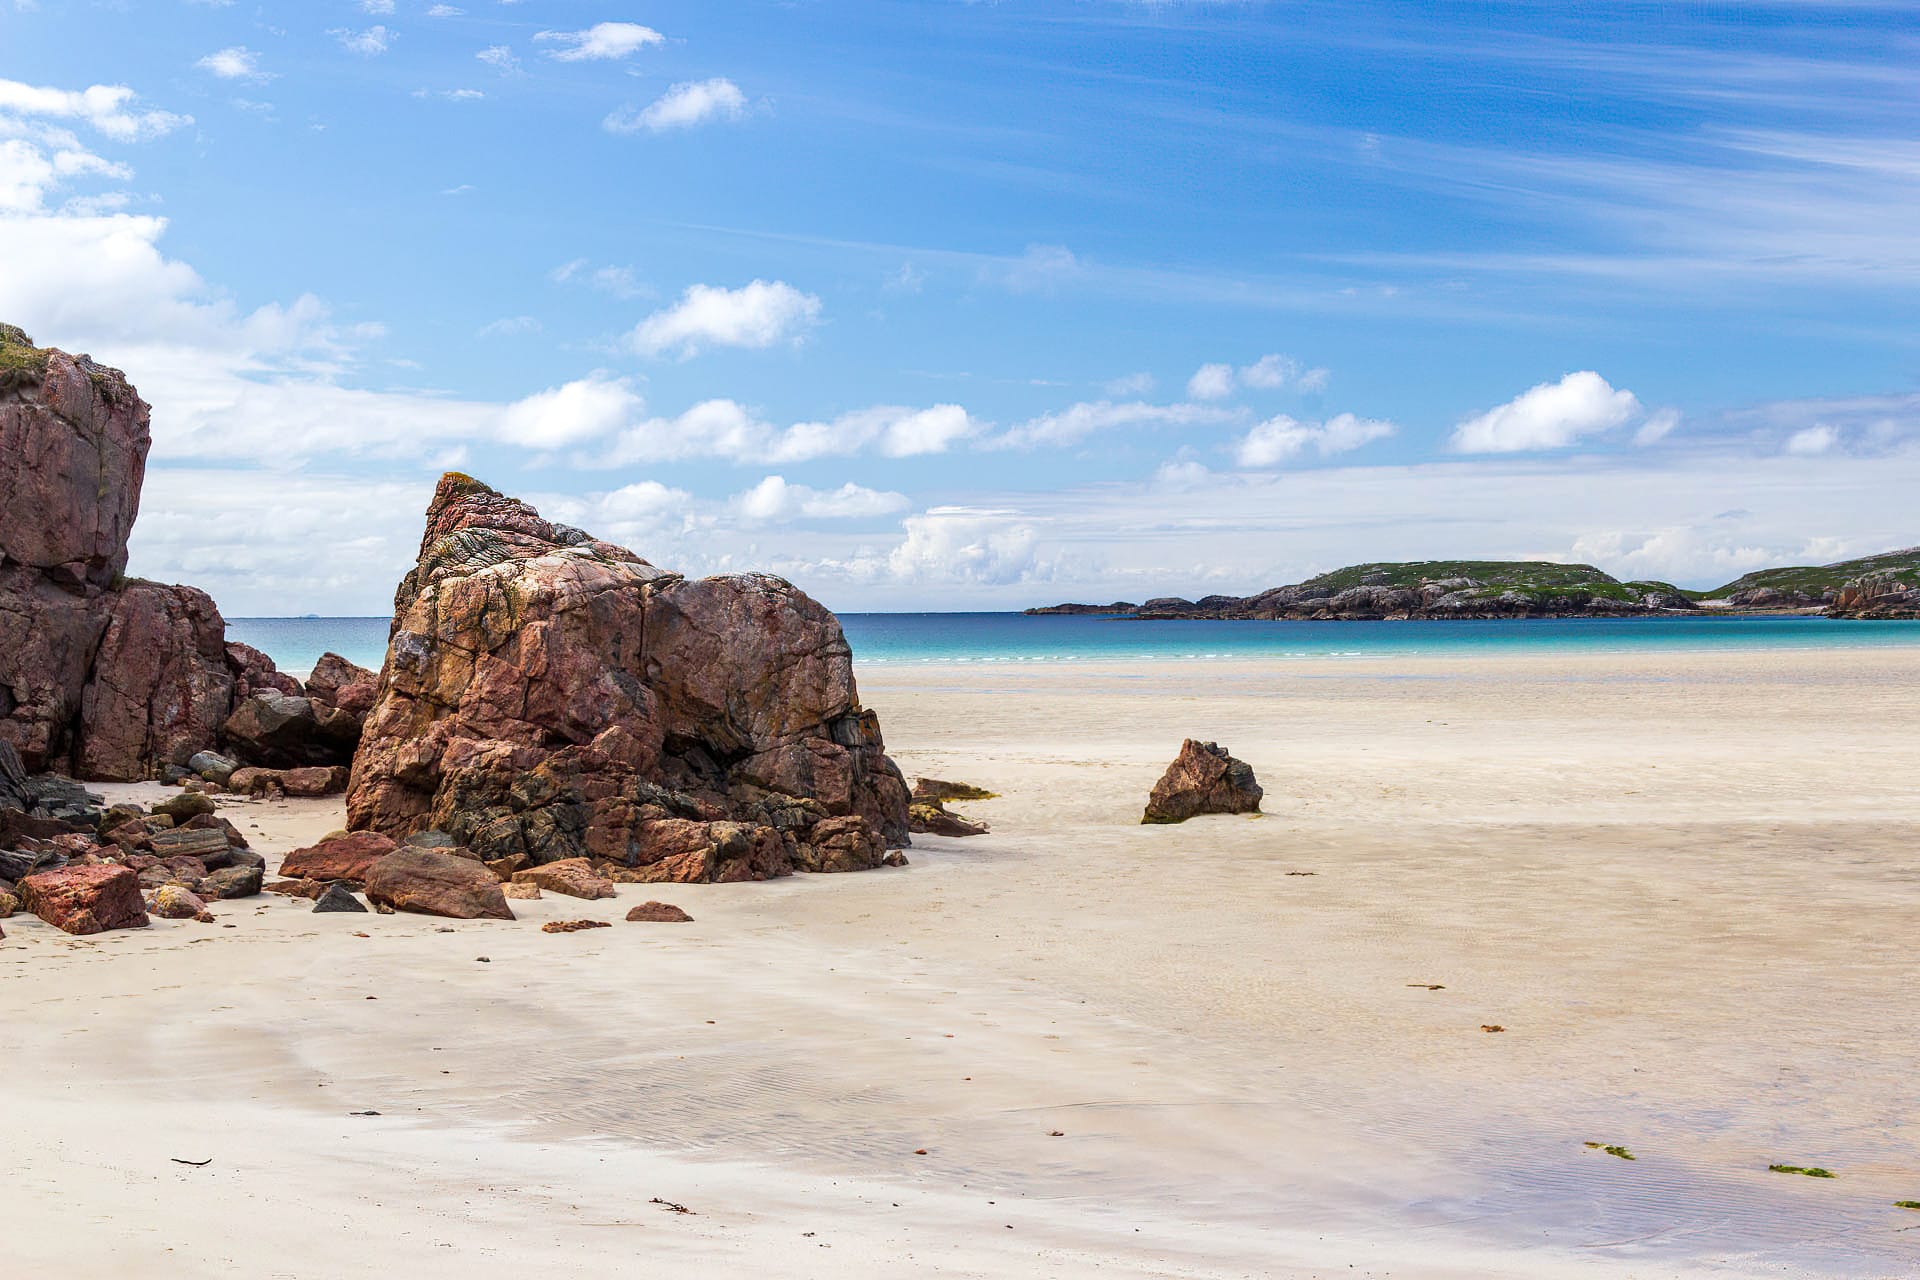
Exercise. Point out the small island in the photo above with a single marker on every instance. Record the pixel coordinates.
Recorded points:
(1880, 586)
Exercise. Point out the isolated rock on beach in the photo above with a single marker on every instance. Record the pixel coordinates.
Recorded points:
(1203, 778)
(658, 913)
(433, 883)
(551, 696)
(86, 899)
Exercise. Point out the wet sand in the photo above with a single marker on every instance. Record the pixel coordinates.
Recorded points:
(1685, 885)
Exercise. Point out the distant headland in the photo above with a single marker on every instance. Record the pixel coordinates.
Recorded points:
(1880, 586)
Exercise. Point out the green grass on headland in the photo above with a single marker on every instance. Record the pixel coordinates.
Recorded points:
(1815, 579)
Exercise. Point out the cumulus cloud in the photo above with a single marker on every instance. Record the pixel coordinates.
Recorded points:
(729, 430)
(1211, 382)
(500, 57)
(108, 109)
(756, 315)
(235, 63)
(1268, 373)
(1551, 415)
(579, 411)
(603, 41)
(775, 501)
(682, 107)
(966, 545)
(1281, 438)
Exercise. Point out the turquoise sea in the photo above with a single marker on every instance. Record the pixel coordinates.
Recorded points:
(297, 643)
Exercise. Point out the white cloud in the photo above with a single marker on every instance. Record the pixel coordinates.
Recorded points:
(890, 430)
(500, 57)
(575, 413)
(682, 107)
(370, 43)
(1813, 441)
(444, 11)
(966, 545)
(756, 315)
(727, 429)
(1281, 438)
(774, 501)
(1268, 373)
(376, 6)
(106, 108)
(1657, 427)
(1129, 387)
(1077, 422)
(1551, 415)
(602, 41)
(235, 63)
(1211, 382)
(1272, 372)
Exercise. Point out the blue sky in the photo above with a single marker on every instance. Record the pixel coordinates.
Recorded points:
(949, 305)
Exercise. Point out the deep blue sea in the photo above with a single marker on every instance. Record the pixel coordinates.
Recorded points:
(297, 643)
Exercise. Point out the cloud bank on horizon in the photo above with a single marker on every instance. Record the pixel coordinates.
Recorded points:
(992, 306)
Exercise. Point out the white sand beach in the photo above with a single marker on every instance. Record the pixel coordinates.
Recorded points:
(1685, 885)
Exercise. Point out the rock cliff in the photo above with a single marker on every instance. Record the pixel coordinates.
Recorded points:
(547, 695)
(99, 676)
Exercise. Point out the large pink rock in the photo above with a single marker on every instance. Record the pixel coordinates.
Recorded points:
(551, 695)
(86, 899)
(99, 677)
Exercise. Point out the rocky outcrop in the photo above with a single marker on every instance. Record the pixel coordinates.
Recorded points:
(345, 686)
(100, 677)
(1435, 589)
(1203, 778)
(1083, 610)
(552, 696)
(1876, 596)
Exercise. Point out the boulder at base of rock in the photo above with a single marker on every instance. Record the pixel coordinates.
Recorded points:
(685, 852)
(1203, 778)
(936, 790)
(82, 900)
(336, 682)
(932, 819)
(213, 766)
(314, 780)
(348, 857)
(233, 882)
(185, 807)
(573, 877)
(338, 898)
(436, 884)
(521, 892)
(173, 902)
(840, 844)
(659, 913)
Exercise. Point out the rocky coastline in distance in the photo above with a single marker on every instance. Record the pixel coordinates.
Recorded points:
(1880, 586)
